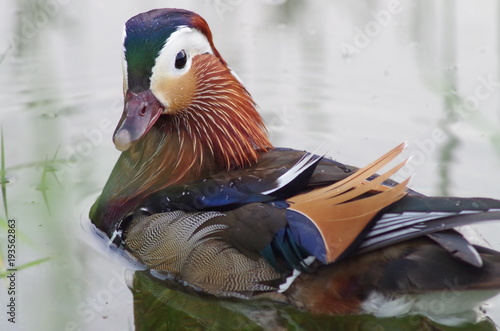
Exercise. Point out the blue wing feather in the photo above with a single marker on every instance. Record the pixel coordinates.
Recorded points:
(238, 187)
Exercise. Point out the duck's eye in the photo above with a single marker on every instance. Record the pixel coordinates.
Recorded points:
(180, 59)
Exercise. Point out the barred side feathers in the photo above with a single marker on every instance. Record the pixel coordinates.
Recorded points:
(180, 244)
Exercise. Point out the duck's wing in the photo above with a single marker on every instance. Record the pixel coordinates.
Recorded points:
(322, 221)
(415, 216)
(278, 210)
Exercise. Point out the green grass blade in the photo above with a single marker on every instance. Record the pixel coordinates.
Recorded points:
(27, 265)
(3, 177)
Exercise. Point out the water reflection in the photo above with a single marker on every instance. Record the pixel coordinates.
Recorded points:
(159, 305)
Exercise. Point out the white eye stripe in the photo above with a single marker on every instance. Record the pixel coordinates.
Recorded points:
(124, 62)
(125, 75)
(192, 41)
(186, 39)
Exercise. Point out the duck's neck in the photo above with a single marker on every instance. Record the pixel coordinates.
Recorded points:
(221, 121)
(220, 131)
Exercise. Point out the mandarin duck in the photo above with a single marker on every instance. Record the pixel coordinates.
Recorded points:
(200, 196)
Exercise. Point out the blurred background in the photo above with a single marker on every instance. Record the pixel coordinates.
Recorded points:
(352, 79)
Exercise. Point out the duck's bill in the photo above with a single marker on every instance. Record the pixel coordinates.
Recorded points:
(139, 114)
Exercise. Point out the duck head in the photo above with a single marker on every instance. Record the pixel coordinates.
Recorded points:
(186, 114)
(159, 47)
(172, 68)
